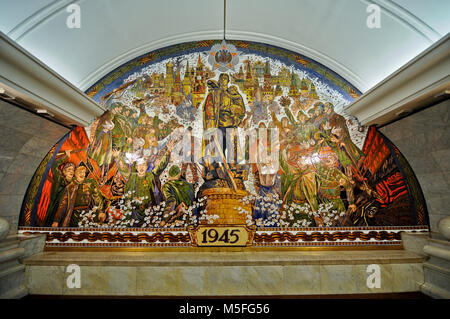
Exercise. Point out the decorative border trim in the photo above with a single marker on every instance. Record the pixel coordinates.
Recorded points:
(118, 61)
(331, 244)
(319, 58)
(335, 80)
(265, 237)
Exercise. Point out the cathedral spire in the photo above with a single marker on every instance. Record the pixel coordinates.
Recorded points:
(199, 62)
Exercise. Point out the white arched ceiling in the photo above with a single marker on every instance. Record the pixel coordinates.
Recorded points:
(332, 32)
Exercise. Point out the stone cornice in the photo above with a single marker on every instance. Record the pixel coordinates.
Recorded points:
(28, 78)
(411, 87)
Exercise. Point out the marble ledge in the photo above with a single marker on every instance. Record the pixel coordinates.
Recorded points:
(258, 258)
(223, 280)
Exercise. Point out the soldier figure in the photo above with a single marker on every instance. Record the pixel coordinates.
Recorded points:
(81, 195)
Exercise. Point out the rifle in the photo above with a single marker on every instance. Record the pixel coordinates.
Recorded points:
(119, 89)
(225, 164)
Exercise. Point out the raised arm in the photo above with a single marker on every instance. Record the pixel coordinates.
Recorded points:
(289, 115)
(275, 119)
(162, 164)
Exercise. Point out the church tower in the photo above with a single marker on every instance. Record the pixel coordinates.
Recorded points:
(187, 80)
(169, 81)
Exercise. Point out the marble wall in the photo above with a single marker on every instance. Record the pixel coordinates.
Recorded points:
(25, 139)
(424, 139)
(303, 277)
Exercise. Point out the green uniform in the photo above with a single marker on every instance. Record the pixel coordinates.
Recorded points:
(299, 186)
(177, 192)
(123, 129)
(305, 186)
(147, 188)
(329, 187)
(287, 177)
(351, 150)
(305, 131)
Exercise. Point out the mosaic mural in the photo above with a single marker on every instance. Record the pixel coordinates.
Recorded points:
(211, 143)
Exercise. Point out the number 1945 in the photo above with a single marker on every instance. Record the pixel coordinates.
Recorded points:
(224, 235)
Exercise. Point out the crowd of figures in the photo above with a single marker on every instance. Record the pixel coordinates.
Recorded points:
(320, 180)
(118, 184)
(128, 176)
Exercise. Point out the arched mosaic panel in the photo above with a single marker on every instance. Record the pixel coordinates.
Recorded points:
(223, 144)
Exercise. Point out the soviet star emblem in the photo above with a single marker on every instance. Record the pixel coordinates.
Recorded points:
(223, 56)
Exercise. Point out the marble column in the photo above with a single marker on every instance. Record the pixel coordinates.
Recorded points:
(13, 249)
(11, 270)
(437, 268)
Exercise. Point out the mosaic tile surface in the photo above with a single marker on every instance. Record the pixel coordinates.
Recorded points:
(215, 133)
